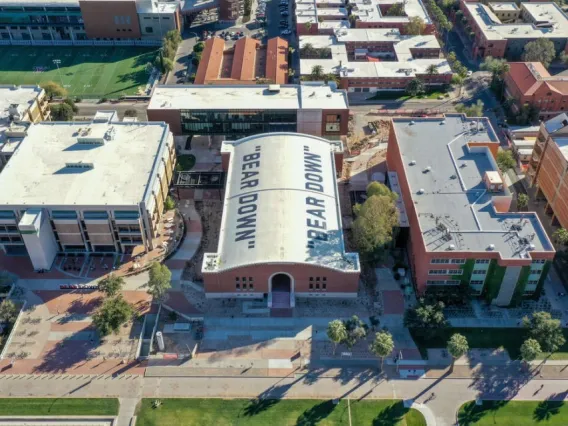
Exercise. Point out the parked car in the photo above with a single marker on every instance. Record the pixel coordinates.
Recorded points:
(285, 13)
(286, 32)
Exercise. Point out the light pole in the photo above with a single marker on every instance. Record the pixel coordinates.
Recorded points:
(57, 62)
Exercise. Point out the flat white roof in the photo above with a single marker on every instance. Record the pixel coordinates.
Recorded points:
(494, 29)
(45, 169)
(192, 97)
(404, 65)
(281, 205)
(40, 3)
(21, 98)
(504, 7)
(370, 10)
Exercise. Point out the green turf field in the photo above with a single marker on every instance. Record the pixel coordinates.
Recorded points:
(514, 413)
(58, 406)
(90, 71)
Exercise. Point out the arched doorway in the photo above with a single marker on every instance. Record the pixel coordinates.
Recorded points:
(281, 287)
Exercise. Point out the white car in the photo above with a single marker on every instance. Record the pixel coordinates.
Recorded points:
(469, 73)
(286, 32)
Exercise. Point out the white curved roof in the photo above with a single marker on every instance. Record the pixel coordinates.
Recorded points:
(281, 204)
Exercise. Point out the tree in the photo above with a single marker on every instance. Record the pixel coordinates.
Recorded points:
(396, 9)
(380, 189)
(317, 71)
(497, 67)
(522, 201)
(475, 110)
(174, 37)
(432, 69)
(168, 64)
(545, 330)
(530, 350)
(458, 80)
(561, 236)
(112, 315)
(382, 346)
(307, 51)
(131, 113)
(355, 329)
(61, 112)
(53, 89)
(457, 347)
(8, 311)
(451, 57)
(426, 317)
(247, 7)
(291, 72)
(505, 160)
(374, 226)
(415, 26)
(308, 26)
(71, 103)
(170, 204)
(111, 285)
(199, 47)
(168, 50)
(336, 332)
(563, 56)
(415, 87)
(540, 50)
(160, 280)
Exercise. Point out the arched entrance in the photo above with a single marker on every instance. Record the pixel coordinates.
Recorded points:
(281, 286)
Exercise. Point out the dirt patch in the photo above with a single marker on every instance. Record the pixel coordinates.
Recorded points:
(211, 212)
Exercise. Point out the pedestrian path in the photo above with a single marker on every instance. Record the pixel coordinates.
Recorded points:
(126, 411)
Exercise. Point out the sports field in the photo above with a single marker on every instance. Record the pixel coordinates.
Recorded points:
(89, 71)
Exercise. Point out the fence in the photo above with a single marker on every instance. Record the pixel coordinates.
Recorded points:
(146, 43)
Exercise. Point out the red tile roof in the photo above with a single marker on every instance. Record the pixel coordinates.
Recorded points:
(277, 60)
(211, 59)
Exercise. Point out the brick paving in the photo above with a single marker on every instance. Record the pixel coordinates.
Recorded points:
(393, 302)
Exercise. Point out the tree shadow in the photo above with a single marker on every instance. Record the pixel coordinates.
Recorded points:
(258, 405)
(500, 382)
(391, 416)
(546, 409)
(316, 414)
(471, 413)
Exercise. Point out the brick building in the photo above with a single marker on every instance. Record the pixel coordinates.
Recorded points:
(245, 63)
(529, 83)
(281, 234)
(236, 111)
(461, 230)
(548, 168)
(502, 30)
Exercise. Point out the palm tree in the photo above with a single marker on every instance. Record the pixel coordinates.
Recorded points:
(308, 26)
(317, 71)
(432, 69)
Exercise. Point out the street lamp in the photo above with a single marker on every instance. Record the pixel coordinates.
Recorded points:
(57, 62)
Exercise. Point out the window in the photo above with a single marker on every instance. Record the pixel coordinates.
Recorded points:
(438, 272)
(63, 214)
(538, 261)
(479, 272)
(332, 123)
(536, 271)
(317, 286)
(324, 286)
(237, 286)
(476, 282)
(442, 282)
(482, 261)
(455, 272)
(532, 282)
(434, 261)
(237, 279)
(149, 29)
(458, 261)
(311, 286)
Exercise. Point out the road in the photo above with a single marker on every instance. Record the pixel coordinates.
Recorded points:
(449, 394)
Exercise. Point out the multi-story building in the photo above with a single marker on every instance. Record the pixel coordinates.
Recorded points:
(281, 234)
(457, 205)
(370, 60)
(236, 111)
(19, 106)
(548, 168)
(327, 16)
(68, 189)
(502, 30)
(529, 83)
(78, 21)
(246, 62)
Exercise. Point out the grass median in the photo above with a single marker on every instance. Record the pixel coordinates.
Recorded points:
(514, 413)
(58, 406)
(281, 412)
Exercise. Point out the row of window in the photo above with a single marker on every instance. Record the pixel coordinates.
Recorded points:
(445, 272)
(244, 286)
(317, 286)
(476, 282)
(8, 228)
(443, 282)
(453, 261)
(479, 272)
(318, 278)
(243, 279)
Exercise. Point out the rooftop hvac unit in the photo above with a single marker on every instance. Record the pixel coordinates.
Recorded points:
(420, 191)
(427, 169)
(532, 247)
(491, 247)
(413, 162)
(274, 88)
(451, 247)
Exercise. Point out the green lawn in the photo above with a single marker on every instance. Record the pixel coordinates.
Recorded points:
(84, 71)
(275, 412)
(510, 339)
(186, 162)
(514, 413)
(58, 406)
